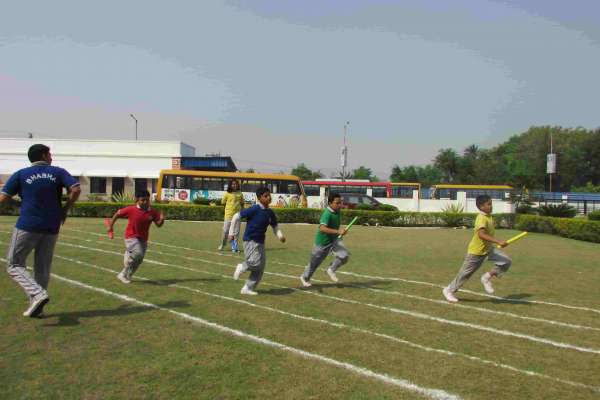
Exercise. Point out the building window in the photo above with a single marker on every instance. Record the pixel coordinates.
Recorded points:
(141, 184)
(118, 185)
(97, 185)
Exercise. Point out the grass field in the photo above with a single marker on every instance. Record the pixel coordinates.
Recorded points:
(182, 329)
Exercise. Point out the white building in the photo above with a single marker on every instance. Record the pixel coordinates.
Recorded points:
(103, 167)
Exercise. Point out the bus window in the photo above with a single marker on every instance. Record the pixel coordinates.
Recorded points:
(213, 184)
(312, 190)
(182, 182)
(379, 191)
(250, 185)
(168, 182)
(405, 192)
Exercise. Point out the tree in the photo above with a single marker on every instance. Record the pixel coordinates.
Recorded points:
(397, 174)
(362, 172)
(447, 162)
(305, 173)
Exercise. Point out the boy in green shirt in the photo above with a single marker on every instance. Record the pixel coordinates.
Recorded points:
(328, 239)
(480, 248)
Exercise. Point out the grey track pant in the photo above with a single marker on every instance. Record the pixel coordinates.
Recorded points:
(319, 253)
(135, 250)
(473, 262)
(226, 226)
(255, 261)
(21, 245)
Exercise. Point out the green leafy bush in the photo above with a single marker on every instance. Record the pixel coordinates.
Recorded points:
(557, 210)
(204, 201)
(363, 206)
(123, 197)
(387, 207)
(579, 229)
(594, 216)
(452, 215)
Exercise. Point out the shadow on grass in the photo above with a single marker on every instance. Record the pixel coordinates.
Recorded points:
(72, 318)
(167, 282)
(320, 286)
(517, 298)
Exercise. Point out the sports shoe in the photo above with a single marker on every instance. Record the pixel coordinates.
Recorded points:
(245, 290)
(305, 283)
(449, 295)
(36, 306)
(234, 246)
(220, 248)
(239, 269)
(123, 278)
(486, 282)
(332, 275)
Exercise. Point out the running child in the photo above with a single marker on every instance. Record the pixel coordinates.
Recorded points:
(234, 202)
(480, 248)
(140, 217)
(258, 217)
(328, 239)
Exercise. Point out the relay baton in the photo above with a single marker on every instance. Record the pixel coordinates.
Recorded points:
(514, 238)
(349, 225)
(111, 234)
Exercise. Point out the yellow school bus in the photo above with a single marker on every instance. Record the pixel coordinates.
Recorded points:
(187, 185)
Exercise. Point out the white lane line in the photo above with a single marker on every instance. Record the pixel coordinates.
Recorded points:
(396, 293)
(352, 328)
(504, 299)
(436, 394)
(388, 309)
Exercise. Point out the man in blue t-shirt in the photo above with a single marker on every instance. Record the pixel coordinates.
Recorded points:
(259, 217)
(40, 188)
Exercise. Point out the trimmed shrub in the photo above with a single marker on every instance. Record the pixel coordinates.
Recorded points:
(579, 229)
(557, 210)
(387, 207)
(594, 216)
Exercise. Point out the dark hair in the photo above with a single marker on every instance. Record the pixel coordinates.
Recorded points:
(332, 197)
(484, 198)
(231, 183)
(37, 152)
(262, 190)
(142, 193)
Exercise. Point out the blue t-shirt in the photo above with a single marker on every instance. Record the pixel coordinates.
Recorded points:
(259, 219)
(40, 188)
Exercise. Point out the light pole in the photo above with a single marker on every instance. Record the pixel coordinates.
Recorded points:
(344, 160)
(135, 119)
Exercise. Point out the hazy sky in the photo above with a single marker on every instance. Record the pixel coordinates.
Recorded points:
(271, 82)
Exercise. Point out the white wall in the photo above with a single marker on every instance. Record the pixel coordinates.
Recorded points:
(82, 157)
(430, 205)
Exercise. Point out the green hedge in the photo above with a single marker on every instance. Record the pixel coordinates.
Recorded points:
(579, 229)
(594, 215)
(196, 212)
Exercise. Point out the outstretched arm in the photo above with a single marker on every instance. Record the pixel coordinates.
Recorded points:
(483, 235)
(278, 233)
(160, 221)
(74, 192)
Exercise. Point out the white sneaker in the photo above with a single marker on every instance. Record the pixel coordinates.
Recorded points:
(449, 295)
(245, 290)
(239, 269)
(220, 247)
(305, 283)
(332, 275)
(123, 278)
(487, 284)
(36, 306)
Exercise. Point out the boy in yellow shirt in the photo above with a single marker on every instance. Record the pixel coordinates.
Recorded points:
(234, 202)
(480, 248)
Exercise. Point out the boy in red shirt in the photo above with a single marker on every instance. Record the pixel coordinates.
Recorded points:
(140, 217)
